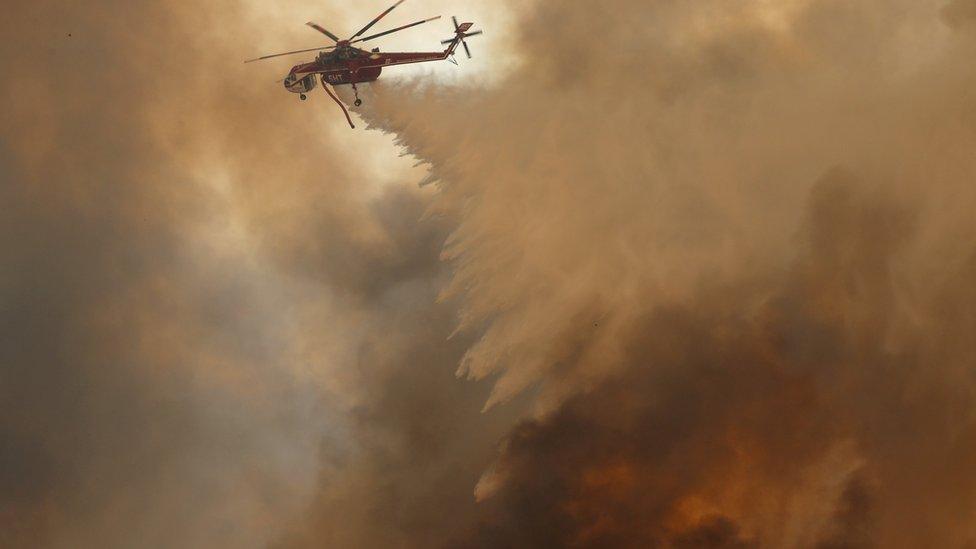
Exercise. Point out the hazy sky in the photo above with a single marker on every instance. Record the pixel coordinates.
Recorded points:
(643, 273)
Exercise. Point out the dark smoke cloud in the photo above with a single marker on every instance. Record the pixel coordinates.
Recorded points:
(174, 344)
(961, 14)
(737, 342)
(203, 308)
(417, 441)
(760, 419)
(138, 408)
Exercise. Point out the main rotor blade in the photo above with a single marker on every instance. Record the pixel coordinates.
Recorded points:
(323, 30)
(374, 21)
(454, 18)
(396, 29)
(470, 34)
(466, 49)
(289, 53)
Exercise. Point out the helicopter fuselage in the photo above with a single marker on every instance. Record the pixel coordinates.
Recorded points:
(346, 65)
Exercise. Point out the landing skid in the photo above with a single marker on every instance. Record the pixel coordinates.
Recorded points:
(328, 90)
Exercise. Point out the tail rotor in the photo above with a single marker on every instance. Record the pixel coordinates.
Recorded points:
(460, 33)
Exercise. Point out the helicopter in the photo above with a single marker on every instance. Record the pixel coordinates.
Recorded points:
(344, 64)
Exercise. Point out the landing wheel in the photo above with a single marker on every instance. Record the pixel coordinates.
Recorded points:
(358, 102)
(303, 97)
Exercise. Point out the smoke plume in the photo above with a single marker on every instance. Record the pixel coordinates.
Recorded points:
(727, 245)
(689, 273)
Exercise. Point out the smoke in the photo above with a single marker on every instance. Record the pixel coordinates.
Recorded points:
(708, 266)
(727, 244)
(143, 397)
(598, 175)
(210, 302)
(776, 412)
(190, 281)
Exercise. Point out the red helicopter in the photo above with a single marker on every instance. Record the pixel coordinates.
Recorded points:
(344, 64)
